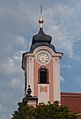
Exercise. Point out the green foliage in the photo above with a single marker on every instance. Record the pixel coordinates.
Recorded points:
(43, 111)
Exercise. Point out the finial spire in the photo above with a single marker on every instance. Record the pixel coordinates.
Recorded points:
(29, 91)
(41, 20)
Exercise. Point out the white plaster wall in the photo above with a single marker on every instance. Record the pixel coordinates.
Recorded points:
(30, 73)
(56, 76)
(43, 96)
(27, 70)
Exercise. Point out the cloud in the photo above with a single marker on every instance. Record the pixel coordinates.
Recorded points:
(66, 66)
(2, 109)
(64, 26)
(59, 26)
(21, 41)
(15, 83)
(8, 66)
(78, 58)
(62, 79)
(60, 40)
(12, 64)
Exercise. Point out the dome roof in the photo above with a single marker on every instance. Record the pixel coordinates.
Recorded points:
(41, 37)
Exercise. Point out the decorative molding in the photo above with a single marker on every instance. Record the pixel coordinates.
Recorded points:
(43, 89)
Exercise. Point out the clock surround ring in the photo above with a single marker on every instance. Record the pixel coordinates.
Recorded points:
(43, 58)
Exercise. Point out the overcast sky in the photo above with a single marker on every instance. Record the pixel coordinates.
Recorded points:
(18, 23)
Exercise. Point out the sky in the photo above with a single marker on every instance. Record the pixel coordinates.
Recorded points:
(18, 23)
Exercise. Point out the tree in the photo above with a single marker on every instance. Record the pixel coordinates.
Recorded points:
(24, 111)
(43, 111)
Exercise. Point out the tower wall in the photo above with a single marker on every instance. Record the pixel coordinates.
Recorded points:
(49, 91)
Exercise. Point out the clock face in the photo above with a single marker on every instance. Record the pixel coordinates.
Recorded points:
(43, 58)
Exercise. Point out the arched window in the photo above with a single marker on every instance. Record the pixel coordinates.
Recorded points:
(43, 75)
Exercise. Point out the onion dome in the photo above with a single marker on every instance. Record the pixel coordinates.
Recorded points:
(41, 39)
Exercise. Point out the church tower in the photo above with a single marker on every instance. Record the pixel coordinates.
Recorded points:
(42, 68)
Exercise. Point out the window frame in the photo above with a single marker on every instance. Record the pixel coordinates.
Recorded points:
(47, 76)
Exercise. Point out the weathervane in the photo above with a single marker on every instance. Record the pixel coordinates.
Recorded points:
(41, 20)
(41, 10)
